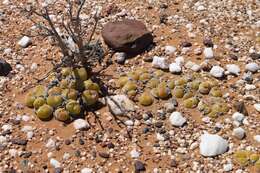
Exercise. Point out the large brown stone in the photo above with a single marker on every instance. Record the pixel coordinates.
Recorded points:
(129, 36)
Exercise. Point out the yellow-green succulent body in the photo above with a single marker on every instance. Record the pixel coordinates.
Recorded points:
(81, 74)
(89, 85)
(66, 71)
(39, 90)
(178, 92)
(122, 81)
(38, 102)
(129, 86)
(90, 97)
(145, 77)
(216, 92)
(44, 112)
(254, 157)
(153, 83)
(191, 102)
(29, 100)
(55, 91)
(145, 99)
(54, 101)
(62, 115)
(73, 107)
(204, 87)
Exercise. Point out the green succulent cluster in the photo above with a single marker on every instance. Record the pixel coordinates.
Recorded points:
(246, 158)
(67, 98)
(147, 86)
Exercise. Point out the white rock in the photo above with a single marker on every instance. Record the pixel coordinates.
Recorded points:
(177, 119)
(86, 170)
(66, 156)
(174, 68)
(257, 138)
(228, 167)
(13, 152)
(160, 137)
(29, 135)
(179, 60)
(257, 106)
(120, 57)
(55, 163)
(196, 67)
(160, 62)
(238, 117)
(189, 64)
(27, 128)
(26, 118)
(212, 145)
(134, 153)
(217, 71)
(239, 133)
(6, 127)
(80, 124)
(201, 8)
(34, 67)
(169, 50)
(249, 87)
(208, 53)
(253, 67)
(233, 69)
(120, 104)
(129, 123)
(25, 41)
(50, 144)
(3, 140)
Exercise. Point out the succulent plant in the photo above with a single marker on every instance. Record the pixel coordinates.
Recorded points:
(29, 100)
(130, 85)
(181, 82)
(178, 92)
(204, 87)
(145, 77)
(188, 94)
(257, 165)
(154, 92)
(66, 71)
(215, 92)
(158, 73)
(70, 94)
(153, 83)
(242, 157)
(132, 93)
(254, 157)
(90, 97)
(90, 85)
(64, 83)
(163, 90)
(133, 75)
(55, 91)
(54, 101)
(145, 99)
(62, 115)
(140, 71)
(122, 81)
(191, 102)
(44, 112)
(204, 108)
(171, 84)
(194, 85)
(38, 102)
(218, 109)
(39, 90)
(73, 107)
(80, 74)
